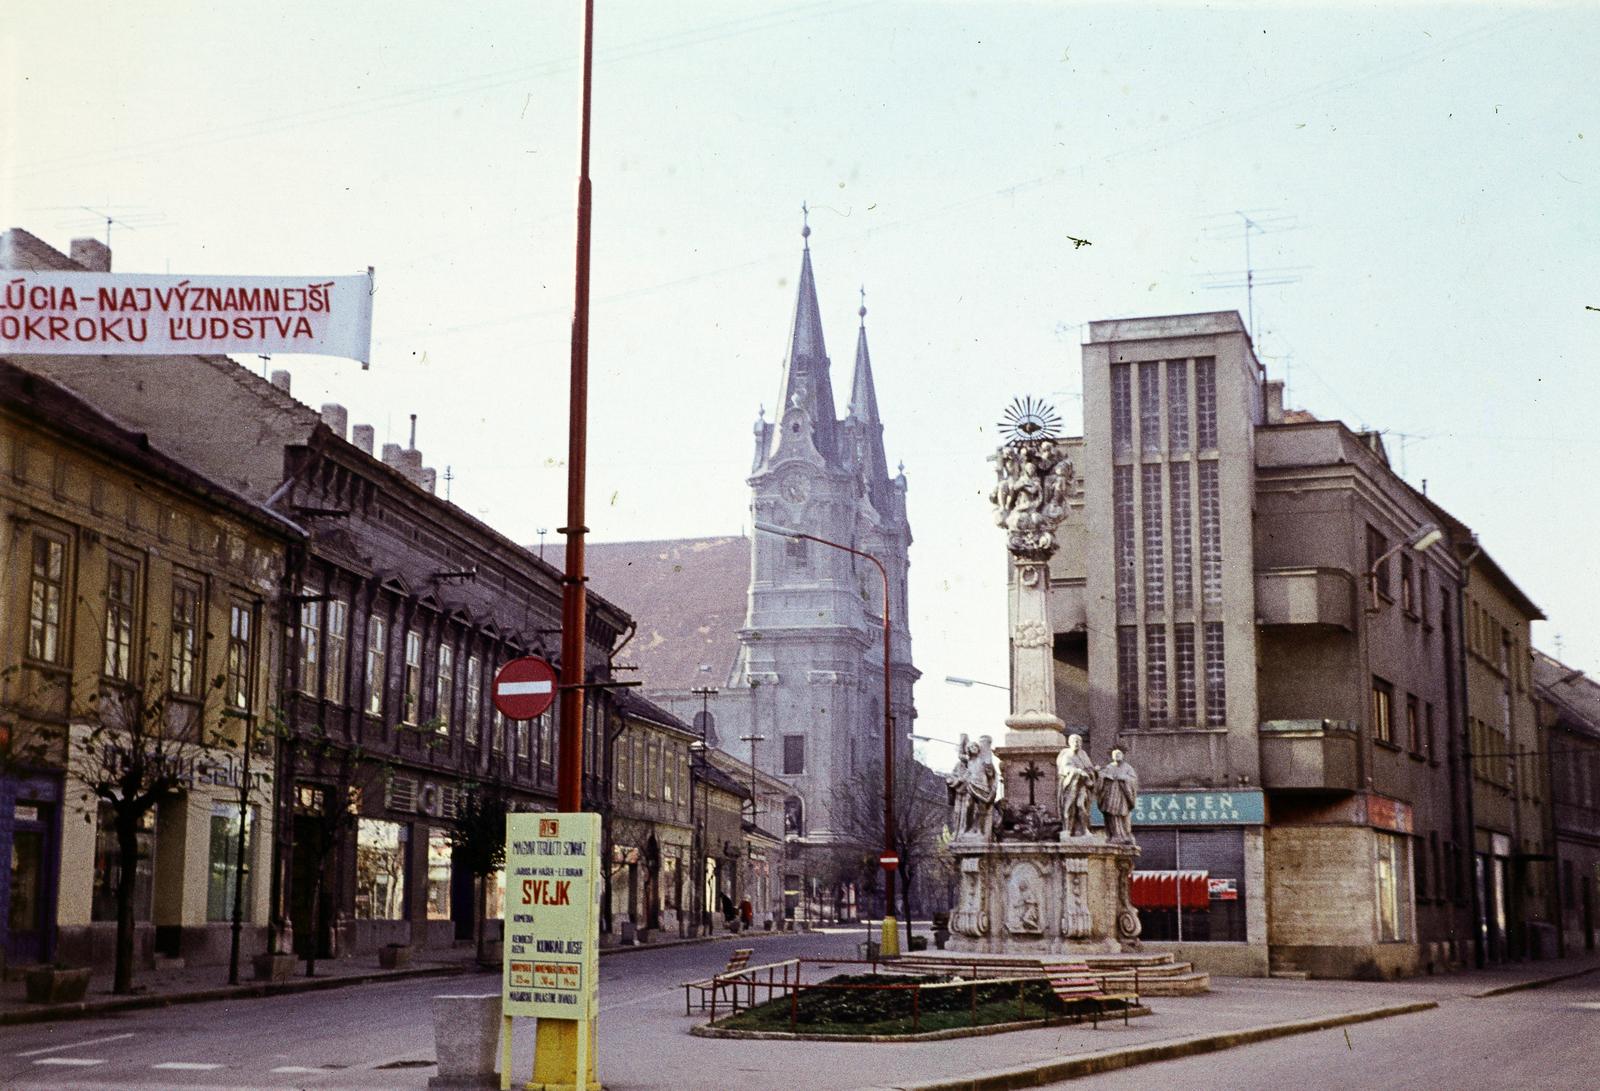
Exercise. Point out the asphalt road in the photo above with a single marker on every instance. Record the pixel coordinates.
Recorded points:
(1546, 1038)
(366, 1036)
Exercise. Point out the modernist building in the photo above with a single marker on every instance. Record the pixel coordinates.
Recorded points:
(787, 632)
(131, 586)
(397, 613)
(1569, 714)
(1250, 603)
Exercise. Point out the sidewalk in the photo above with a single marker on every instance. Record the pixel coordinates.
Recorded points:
(661, 1053)
(155, 988)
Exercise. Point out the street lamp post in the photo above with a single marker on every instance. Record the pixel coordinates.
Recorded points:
(697, 868)
(890, 938)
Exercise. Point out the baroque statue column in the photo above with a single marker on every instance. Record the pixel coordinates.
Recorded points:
(1033, 482)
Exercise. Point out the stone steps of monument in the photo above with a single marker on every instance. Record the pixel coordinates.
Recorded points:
(1183, 982)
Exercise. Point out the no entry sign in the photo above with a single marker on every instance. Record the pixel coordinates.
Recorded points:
(524, 688)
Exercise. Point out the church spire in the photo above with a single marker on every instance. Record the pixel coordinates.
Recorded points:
(863, 398)
(807, 381)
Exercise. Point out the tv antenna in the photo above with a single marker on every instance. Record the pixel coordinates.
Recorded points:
(1257, 222)
(127, 217)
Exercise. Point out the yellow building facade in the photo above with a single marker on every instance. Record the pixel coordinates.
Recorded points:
(136, 601)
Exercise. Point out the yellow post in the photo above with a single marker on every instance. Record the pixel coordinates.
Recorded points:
(889, 939)
(505, 1052)
(556, 1054)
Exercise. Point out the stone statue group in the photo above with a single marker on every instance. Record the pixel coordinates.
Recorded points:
(1114, 786)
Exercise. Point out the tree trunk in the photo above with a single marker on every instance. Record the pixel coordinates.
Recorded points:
(127, 823)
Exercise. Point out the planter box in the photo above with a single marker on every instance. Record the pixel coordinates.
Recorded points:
(394, 956)
(48, 985)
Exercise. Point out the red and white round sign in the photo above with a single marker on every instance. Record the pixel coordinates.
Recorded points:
(524, 688)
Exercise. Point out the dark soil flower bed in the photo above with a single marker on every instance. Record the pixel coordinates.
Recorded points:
(826, 1008)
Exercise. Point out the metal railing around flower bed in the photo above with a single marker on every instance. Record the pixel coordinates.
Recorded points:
(785, 978)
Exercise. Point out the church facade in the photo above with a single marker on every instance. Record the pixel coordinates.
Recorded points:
(791, 680)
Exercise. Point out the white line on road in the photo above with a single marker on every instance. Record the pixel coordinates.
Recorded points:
(298, 1070)
(186, 1066)
(75, 1045)
(74, 1062)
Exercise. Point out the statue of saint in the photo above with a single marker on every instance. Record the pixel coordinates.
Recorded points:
(1079, 779)
(982, 786)
(960, 793)
(972, 790)
(1119, 789)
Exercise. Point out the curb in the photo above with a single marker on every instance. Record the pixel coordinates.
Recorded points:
(88, 1009)
(1536, 983)
(1114, 1059)
(686, 941)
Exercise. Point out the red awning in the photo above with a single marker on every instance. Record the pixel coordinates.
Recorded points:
(1162, 889)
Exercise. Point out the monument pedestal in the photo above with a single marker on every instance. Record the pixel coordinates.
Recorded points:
(1044, 898)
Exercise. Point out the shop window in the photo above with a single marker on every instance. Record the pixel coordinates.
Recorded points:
(108, 867)
(1190, 886)
(46, 591)
(222, 874)
(1394, 900)
(439, 853)
(380, 869)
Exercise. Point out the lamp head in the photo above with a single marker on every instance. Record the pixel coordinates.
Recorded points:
(1425, 537)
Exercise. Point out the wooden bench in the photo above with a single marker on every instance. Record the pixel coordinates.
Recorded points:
(726, 979)
(1074, 983)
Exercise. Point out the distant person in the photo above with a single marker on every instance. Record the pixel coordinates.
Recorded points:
(747, 914)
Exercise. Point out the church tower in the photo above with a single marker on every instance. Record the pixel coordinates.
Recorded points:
(811, 649)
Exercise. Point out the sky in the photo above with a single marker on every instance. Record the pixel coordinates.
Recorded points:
(1425, 181)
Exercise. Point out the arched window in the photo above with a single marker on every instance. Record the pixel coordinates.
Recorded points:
(793, 817)
(705, 725)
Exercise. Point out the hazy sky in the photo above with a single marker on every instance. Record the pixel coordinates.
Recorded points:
(1427, 176)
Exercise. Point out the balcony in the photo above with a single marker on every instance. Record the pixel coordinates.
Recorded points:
(1309, 754)
(1306, 596)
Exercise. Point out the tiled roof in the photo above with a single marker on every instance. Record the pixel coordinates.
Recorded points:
(688, 596)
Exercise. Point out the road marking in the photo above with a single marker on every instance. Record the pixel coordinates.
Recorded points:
(297, 1070)
(186, 1066)
(74, 1045)
(74, 1062)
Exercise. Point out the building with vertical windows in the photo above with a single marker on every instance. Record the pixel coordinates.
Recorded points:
(1249, 602)
(1513, 860)
(395, 612)
(1569, 716)
(130, 582)
(651, 821)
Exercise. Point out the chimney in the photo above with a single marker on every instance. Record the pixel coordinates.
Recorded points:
(410, 462)
(391, 455)
(280, 379)
(1274, 396)
(336, 417)
(92, 254)
(429, 479)
(363, 436)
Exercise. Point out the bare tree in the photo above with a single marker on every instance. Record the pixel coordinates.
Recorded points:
(920, 813)
(132, 748)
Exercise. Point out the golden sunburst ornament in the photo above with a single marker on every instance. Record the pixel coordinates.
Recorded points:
(1029, 418)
